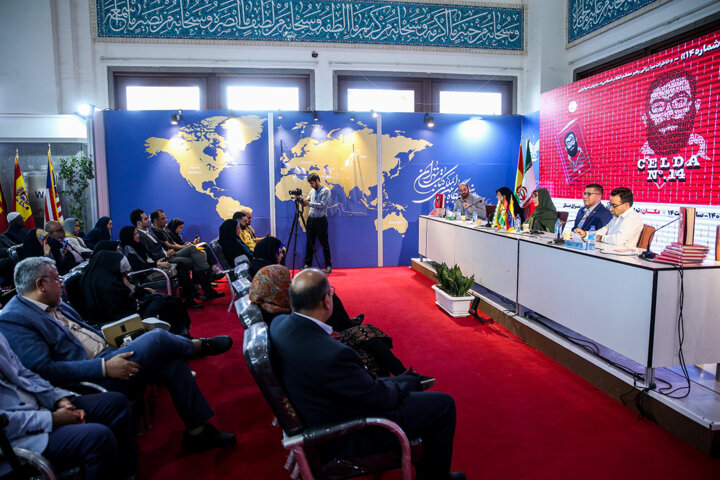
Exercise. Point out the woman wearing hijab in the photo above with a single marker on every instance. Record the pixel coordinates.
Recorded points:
(270, 291)
(174, 227)
(229, 242)
(139, 259)
(72, 230)
(545, 214)
(504, 193)
(39, 244)
(100, 232)
(108, 295)
(268, 251)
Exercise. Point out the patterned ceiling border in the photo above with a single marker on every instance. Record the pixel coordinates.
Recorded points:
(588, 18)
(391, 24)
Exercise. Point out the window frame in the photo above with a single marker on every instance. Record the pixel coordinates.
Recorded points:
(427, 88)
(212, 83)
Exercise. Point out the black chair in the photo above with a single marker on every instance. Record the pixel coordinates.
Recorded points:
(302, 442)
(15, 253)
(232, 273)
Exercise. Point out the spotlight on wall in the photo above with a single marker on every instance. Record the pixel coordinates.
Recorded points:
(429, 121)
(176, 117)
(374, 113)
(84, 110)
(352, 116)
(315, 115)
(279, 114)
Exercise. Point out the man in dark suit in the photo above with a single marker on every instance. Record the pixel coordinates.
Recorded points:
(327, 383)
(92, 431)
(594, 213)
(52, 340)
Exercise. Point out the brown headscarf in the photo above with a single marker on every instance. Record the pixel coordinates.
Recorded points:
(270, 289)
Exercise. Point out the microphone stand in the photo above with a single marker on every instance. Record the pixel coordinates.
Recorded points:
(647, 254)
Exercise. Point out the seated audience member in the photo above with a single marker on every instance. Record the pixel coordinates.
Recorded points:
(57, 231)
(6, 263)
(594, 213)
(545, 214)
(108, 295)
(189, 255)
(626, 226)
(230, 243)
(246, 231)
(468, 203)
(327, 383)
(72, 230)
(273, 253)
(39, 244)
(173, 229)
(16, 230)
(92, 431)
(508, 195)
(101, 231)
(53, 341)
(268, 251)
(139, 259)
(270, 291)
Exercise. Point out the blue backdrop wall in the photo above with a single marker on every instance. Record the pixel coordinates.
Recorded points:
(213, 162)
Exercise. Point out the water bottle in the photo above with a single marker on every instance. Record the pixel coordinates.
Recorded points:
(518, 224)
(591, 236)
(448, 213)
(457, 213)
(558, 229)
(474, 217)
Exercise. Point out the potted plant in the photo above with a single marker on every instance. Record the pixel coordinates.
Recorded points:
(451, 293)
(76, 172)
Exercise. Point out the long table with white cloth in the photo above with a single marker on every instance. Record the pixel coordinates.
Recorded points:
(622, 302)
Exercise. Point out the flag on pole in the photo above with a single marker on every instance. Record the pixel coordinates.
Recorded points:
(3, 212)
(519, 171)
(53, 211)
(528, 183)
(22, 200)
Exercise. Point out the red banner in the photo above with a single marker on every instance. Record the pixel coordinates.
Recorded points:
(650, 125)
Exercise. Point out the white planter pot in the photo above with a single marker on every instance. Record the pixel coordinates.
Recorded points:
(453, 306)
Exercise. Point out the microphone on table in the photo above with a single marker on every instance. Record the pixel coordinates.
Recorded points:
(647, 254)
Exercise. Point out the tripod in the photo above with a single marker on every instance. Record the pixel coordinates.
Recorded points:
(298, 218)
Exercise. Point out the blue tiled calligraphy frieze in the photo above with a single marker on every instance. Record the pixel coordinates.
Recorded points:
(376, 22)
(587, 16)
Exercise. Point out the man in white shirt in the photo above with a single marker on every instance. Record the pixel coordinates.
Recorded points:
(627, 225)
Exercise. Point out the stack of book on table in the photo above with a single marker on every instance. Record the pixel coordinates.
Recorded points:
(679, 254)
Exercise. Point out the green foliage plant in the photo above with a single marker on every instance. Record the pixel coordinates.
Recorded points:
(452, 280)
(76, 172)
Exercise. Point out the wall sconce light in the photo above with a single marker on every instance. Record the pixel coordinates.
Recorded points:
(315, 115)
(429, 120)
(175, 118)
(84, 110)
(374, 113)
(352, 116)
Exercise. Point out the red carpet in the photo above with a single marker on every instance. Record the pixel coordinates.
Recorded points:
(520, 414)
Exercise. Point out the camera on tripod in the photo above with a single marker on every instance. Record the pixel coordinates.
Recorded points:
(297, 192)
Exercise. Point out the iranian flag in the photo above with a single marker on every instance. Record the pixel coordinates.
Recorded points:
(525, 180)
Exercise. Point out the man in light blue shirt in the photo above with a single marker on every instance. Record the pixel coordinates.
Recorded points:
(317, 224)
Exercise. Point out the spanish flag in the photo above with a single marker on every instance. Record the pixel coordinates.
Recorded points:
(22, 200)
(53, 211)
(3, 211)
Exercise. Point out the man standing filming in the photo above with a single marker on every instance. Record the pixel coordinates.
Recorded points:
(317, 224)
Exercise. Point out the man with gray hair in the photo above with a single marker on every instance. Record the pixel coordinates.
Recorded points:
(51, 339)
(468, 203)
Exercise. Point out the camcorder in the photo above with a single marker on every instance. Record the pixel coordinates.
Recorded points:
(297, 192)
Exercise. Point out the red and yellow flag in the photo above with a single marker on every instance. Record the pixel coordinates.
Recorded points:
(22, 199)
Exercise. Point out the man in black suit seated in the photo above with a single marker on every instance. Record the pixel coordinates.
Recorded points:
(327, 383)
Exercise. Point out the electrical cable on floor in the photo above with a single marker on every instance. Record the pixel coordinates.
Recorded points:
(681, 338)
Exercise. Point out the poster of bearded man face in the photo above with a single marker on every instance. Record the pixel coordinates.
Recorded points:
(671, 106)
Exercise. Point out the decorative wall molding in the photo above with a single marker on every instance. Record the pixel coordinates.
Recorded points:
(416, 25)
(587, 18)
